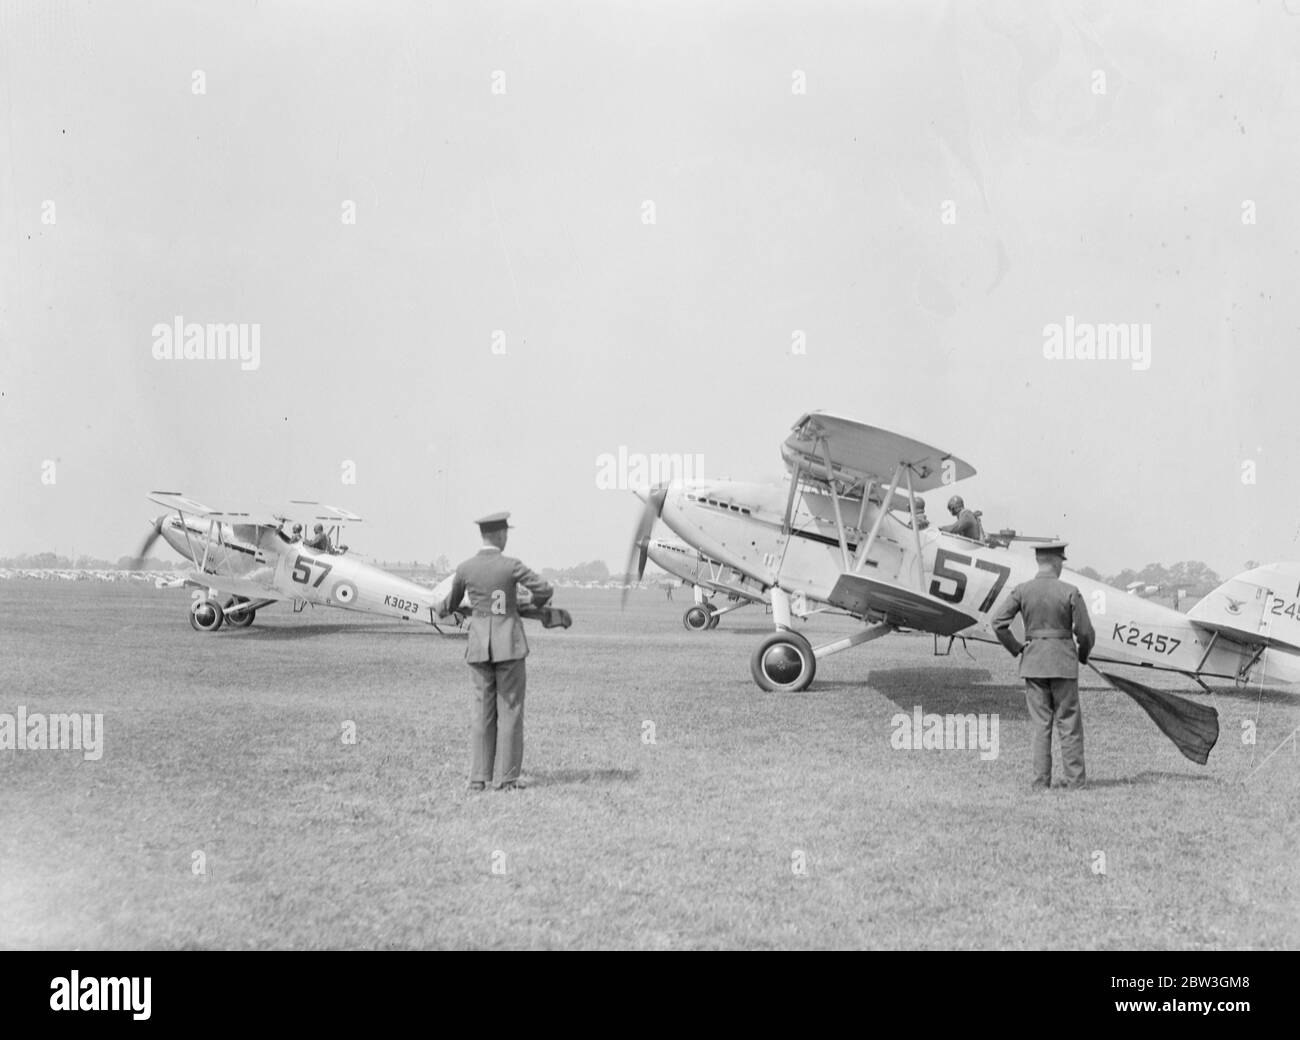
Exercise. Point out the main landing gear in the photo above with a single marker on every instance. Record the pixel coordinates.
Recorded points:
(786, 662)
(704, 616)
(700, 618)
(238, 614)
(208, 615)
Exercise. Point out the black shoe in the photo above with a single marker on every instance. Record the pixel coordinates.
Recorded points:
(477, 785)
(1040, 785)
(513, 785)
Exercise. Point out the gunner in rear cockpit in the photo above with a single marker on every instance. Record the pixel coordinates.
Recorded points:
(967, 523)
(319, 540)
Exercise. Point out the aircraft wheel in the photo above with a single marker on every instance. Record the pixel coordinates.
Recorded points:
(206, 615)
(697, 619)
(243, 618)
(784, 662)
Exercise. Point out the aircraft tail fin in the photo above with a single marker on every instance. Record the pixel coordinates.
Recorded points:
(1259, 607)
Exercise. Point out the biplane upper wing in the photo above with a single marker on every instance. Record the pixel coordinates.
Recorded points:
(858, 453)
(190, 507)
(321, 511)
(906, 608)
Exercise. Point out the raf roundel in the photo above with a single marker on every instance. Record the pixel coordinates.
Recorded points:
(344, 592)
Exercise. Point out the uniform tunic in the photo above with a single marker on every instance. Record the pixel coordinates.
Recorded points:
(1055, 617)
(495, 653)
(967, 525)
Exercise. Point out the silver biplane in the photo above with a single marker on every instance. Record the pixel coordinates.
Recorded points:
(844, 533)
(245, 561)
(707, 578)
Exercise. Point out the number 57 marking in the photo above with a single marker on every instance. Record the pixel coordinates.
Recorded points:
(943, 572)
(302, 571)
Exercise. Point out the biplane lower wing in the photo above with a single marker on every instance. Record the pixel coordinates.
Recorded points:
(906, 608)
(232, 586)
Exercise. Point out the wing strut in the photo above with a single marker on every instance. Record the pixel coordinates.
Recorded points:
(880, 519)
(916, 533)
(789, 502)
(835, 502)
(1214, 637)
(867, 488)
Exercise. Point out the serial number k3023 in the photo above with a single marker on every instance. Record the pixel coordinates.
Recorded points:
(404, 605)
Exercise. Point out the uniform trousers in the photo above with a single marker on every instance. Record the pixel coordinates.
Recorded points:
(496, 726)
(1056, 701)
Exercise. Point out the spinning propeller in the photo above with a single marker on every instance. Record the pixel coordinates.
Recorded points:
(640, 550)
(138, 561)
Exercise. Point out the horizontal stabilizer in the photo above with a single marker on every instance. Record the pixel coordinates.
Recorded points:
(906, 608)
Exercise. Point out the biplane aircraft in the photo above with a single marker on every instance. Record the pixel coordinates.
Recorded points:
(844, 533)
(243, 562)
(706, 577)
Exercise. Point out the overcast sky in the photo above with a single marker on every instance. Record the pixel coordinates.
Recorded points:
(951, 179)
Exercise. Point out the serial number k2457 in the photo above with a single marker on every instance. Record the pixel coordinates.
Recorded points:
(1131, 635)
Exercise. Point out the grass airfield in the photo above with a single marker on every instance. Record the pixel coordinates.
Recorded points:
(232, 746)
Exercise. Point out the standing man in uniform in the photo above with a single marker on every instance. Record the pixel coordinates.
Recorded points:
(495, 654)
(1055, 617)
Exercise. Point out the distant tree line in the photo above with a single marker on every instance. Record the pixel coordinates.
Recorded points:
(1195, 578)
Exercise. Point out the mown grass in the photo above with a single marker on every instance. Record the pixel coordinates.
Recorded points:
(231, 745)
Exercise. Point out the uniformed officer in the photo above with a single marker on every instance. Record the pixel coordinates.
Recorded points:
(1055, 617)
(966, 524)
(495, 653)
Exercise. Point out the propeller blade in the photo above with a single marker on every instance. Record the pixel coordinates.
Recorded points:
(654, 506)
(138, 560)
